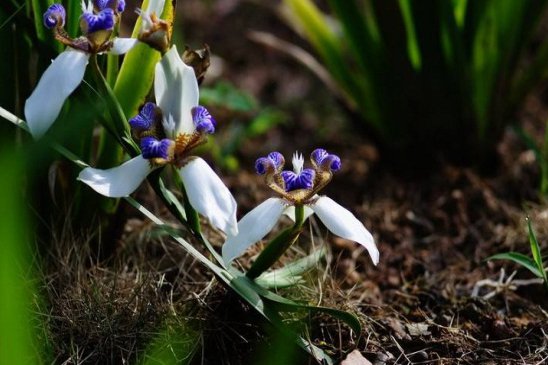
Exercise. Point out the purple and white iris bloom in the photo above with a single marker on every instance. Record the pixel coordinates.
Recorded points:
(167, 132)
(66, 72)
(298, 188)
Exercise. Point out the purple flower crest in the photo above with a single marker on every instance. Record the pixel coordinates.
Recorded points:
(144, 121)
(154, 148)
(104, 20)
(118, 5)
(303, 180)
(325, 160)
(273, 162)
(54, 16)
(203, 120)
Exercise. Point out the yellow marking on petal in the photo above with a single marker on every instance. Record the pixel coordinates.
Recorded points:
(299, 196)
(181, 142)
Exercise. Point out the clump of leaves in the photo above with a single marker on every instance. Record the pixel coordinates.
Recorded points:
(422, 76)
(534, 263)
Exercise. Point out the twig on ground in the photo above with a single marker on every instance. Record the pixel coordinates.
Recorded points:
(502, 285)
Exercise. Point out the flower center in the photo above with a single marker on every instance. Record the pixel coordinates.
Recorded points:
(96, 22)
(156, 145)
(300, 185)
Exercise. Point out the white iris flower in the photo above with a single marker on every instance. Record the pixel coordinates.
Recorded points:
(66, 72)
(167, 132)
(298, 188)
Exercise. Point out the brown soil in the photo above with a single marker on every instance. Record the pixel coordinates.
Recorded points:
(427, 302)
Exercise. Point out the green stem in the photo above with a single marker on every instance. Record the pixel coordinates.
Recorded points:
(299, 216)
(118, 125)
(276, 248)
(191, 214)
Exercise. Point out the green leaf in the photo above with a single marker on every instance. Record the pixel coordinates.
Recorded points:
(290, 274)
(292, 306)
(175, 344)
(520, 259)
(226, 95)
(17, 338)
(72, 21)
(137, 71)
(535, 250)
(117, 123)
(38, 8)
(248, 290)
(307, 17)
(412, 43)
(362, 33)
(267, 119)
(273, 251)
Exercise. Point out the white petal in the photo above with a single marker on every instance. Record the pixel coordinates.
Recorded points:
(344, 224)
(122, 45)
(253, 227)
(155, 6)
(118, 181)
(58, 81)
(209, 195)
(176, 90)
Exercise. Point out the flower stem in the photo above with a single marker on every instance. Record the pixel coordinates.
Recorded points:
(276, 248)
(191, 214)
(299, 216)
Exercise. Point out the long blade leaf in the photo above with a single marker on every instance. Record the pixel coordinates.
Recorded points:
(520, 259)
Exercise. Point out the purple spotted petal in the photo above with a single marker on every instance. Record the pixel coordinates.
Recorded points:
(121, 6)
(145, 119)
(305, 180)
(54, 16)
(90, 22)
(333, 162)
(326, 160)
(278, 159)
(263, 164)
(203, 120)
(153, 148)
(118, 5)
(101, 4)
(318, 155)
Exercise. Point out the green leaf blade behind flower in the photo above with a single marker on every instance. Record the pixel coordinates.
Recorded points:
(137, 71)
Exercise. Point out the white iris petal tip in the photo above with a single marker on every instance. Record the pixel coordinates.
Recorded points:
(343, 223)
(118, 181)
(209, 196)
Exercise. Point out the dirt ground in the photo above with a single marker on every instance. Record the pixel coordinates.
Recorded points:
(433, 298)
